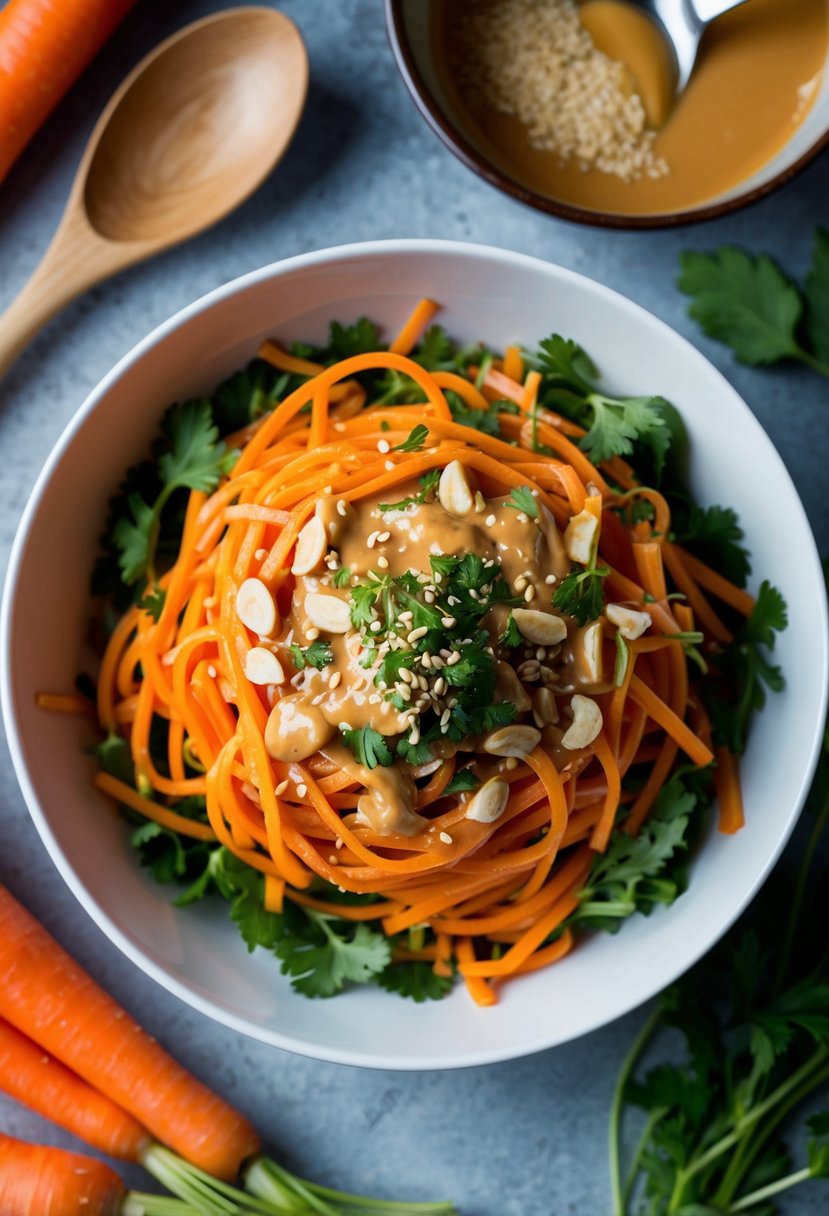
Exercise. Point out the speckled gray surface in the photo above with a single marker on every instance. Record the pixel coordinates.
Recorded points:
(519, 1139)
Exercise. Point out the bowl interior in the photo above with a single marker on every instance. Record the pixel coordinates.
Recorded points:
(196, 952)
(415, 23)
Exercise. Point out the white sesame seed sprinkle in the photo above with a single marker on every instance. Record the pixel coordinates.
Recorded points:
(445, 838)
(383, 446)
(301, 789)
(342, 507)
(383, 563)
(335, 680)
(281, 788)
(490, 521)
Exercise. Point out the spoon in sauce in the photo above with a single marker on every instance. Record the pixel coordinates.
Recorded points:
(658, 41)
(193, 130)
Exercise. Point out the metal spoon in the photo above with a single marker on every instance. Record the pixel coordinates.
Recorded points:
(684, 22)
(192, 131)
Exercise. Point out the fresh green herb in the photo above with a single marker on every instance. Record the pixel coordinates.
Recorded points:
(633, 874)
(414, 753)
(750, 305)
(415, 441)
(615, 425)
(745, 671)
(753, 1024)
(191, 457)
(427, 484)
(323, 953)
(487, 421)
(465, 779)
(581, 594)
(318, 655)
(521, 499)
(247, 395)
(713, 534)
(368, 747)
(344, 341)
(153, 602)
(341, 577)
(512, 634)
(416, 980)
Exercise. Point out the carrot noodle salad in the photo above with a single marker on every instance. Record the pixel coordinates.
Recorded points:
(423, 657)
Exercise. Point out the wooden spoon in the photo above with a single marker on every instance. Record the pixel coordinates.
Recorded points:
(191, 132)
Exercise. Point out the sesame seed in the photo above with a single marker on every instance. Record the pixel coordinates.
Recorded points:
(480, 502)
(510, 763)
(448, 622)
(312, 634)
(522, 517)
(406, 676)
(426, 660)
(417, 634)
(335, 680)
(342, 507)
(429, 597)
(490, 521)
(520, 584)
(372, 539)
(529, 594)
(344, 725)
(332, 860)
(301, 789)
(445, 716)
(383, 563)
(445, 838)
(281, 788)
(338, 843)
(440, 686)
(405, 616)
(384, 446)
(211, 671)
(385, 708)
(550, 579)
(375, 699)
(383, 537)
(404, 691)
(328, 489)
(376, 626)
(452, 601)
(260, 556)
(389, 466)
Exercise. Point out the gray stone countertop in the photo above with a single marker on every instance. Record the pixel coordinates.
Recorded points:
(525, 1138)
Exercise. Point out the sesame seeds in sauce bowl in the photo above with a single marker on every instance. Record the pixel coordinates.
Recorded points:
(523, 93)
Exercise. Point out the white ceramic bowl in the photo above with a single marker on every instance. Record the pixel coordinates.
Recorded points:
(196, 953)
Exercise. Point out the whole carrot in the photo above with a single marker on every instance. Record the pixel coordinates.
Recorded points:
(44, 47)
(50, 998)
(32, 1076)
(36, 1180)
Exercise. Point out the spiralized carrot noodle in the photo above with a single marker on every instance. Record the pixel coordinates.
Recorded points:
(486, 839)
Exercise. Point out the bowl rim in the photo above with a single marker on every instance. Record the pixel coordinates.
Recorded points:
(102, 919)
(468, 154)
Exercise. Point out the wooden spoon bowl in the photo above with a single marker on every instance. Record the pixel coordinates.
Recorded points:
(192, 132)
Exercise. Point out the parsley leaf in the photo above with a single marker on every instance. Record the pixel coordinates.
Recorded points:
(427, 484)
(465, 779)
(581, 594)
(318, 655)
(415, 979)
(415, 441)
(746, 671)
(521, 499)
(368, 747)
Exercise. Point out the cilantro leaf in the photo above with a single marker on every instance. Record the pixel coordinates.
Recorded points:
(804, 1006)
(512, 634)
(565, 363)
(341, 577)
(415, 979)
(581, 594)
(713, 534)
(630, 876)
(818, 1145)
(115, 757)
(436, 351)
(746, 671)
(196, 458)
(361, 338)
(368, 747)
(415, 441)
(133, 538)
(322, 953)
(427, 484)
(153, 602)
(414, 753)
(318, 655)
(248, 394)
(487, 421)
(465, 779)
(745, 302)
(521, 499)
(817, 296)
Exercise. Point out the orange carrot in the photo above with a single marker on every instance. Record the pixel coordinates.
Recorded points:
(32, 1076)
(49, 997)
(44, 47)
(729, 795)
(36, 1180)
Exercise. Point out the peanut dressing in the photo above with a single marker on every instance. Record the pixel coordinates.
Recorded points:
(319, 703)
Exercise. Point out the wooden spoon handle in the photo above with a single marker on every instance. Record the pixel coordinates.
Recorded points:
(75, 260)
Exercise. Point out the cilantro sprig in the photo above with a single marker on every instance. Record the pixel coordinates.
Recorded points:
(615, 426)
(748, 303)
(428, 483)
(581, 594)
(521, 499)
(318, 654)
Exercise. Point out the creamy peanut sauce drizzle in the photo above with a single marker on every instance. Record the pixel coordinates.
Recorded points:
(530, 554)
